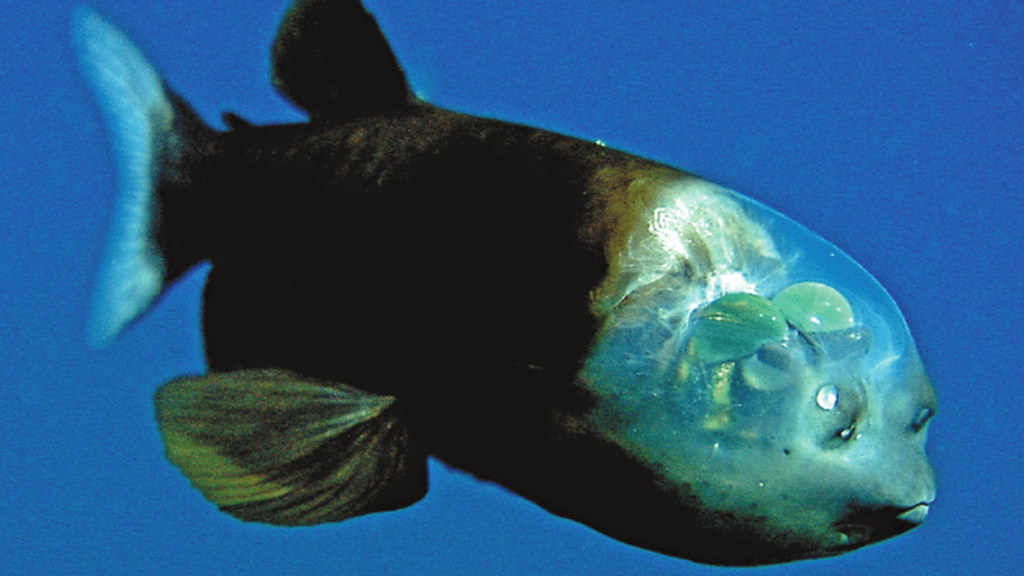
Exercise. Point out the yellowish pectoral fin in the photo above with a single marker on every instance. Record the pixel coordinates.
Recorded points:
(267, 446)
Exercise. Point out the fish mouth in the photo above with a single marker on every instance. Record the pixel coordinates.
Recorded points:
(915, 514)
(873, 525)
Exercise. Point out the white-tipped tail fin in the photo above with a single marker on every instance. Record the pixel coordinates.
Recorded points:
(139, 116)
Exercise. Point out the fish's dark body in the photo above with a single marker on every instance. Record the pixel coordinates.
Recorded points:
(475, 233)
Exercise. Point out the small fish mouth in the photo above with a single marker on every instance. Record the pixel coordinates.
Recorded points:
(874, 525)
(915, 514)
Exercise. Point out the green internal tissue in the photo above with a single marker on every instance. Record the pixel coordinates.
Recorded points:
(813, 307)
(739, 326)
(736, 325)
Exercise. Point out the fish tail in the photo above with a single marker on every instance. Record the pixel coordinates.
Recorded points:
(149, 127)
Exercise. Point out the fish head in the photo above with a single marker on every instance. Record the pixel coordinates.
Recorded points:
(768, 385)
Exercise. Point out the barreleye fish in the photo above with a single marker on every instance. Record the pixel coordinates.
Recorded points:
(629, 346)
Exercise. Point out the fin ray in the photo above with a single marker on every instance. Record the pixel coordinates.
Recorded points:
(155, 135)
(138, 114)
(266, 446)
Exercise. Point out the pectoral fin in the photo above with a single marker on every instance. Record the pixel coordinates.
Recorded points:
(267, 446)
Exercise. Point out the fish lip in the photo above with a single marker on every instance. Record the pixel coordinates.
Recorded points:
(875, 524)
(915, 514)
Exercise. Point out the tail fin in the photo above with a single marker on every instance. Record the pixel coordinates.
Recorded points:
(146, 123)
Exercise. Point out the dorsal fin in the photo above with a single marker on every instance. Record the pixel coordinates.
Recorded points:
(331, 59)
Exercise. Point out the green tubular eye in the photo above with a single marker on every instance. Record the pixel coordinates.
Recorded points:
(736, 325)
(814, 307)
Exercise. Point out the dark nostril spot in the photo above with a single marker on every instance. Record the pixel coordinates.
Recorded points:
(922, 418)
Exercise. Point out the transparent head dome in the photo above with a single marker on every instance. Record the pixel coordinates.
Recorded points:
(750, 362)
(712, 277)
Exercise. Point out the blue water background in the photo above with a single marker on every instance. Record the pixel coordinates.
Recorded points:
(894, 129)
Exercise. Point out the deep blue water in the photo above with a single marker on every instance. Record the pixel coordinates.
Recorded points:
(893, 130)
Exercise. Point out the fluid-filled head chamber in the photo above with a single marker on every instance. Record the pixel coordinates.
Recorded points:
(768, 384)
